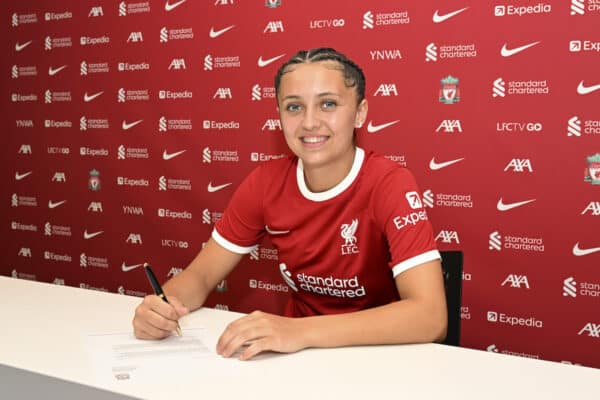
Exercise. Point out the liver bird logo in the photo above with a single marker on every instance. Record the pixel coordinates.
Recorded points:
(349, 231)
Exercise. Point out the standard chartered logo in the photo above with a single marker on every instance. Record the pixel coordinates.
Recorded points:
(431, 52)
(48, 97)
(48, 43)
(83, 260)
(368, 20)
(122, 9)
(499, 90)
(121, 95)
(206, 216)
(287, 276)
(83, 68)
(164, 35)
(256, 93)
(570, 287)
(254, 254)
(15, 200)
(495, 242)
(162, 183)
(15, 72)
(121, 152)
(208, 63)
(574, 127)
(577, 7)
(162, 124)
(47, 229)
(206, 155)
(83, 124)
(428, 198)
(15, 20)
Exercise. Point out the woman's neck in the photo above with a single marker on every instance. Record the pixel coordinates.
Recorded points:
(321, 178)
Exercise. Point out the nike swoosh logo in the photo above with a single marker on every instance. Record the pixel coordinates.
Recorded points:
(376, 128)
(54, 71)
(127, 268)
(275, 232)
(19, 176)
(582, 89)
(501, 206)
(169, 7)
(130, 125)
(506, 52)
(87, 235)
(212, 189)
(167, 156)
(52, 204)
(264, 63)
(19, 47)
(435, 166)
(214, 34)
(441, 18)
(584, 252)
(87, 98)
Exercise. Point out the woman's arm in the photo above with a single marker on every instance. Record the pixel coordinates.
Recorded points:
(420, 316)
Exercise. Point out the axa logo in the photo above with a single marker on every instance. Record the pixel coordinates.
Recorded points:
(447, 236)
(386, 90)
(59, 177)
(516, 281)
(135, 37)
(222, 93)
(519, 165)
(95, 206)
(273, 27)
(96, 11)
(348, 233)
(272, 125)
(593, 208)
(134, 238)
(591, 329)
(25, 252)
(25, 149)
(449, 126)
(177, 64)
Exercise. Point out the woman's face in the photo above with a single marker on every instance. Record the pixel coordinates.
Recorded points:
(319, 112)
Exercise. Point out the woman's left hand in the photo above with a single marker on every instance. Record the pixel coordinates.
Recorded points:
(260, 331)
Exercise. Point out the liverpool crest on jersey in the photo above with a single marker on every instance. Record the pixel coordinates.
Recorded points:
(348, 233)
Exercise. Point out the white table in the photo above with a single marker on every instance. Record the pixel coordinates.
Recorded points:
(44, 327)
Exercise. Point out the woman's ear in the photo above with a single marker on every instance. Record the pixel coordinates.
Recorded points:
(361, 113)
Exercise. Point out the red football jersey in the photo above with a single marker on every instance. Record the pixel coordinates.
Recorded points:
(339, 250)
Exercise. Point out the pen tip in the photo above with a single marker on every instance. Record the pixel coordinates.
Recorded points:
(146, 264)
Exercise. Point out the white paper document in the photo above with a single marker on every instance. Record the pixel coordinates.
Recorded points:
(122, 357)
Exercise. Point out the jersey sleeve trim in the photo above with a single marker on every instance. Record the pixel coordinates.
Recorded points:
(231, 246)
(414, 261)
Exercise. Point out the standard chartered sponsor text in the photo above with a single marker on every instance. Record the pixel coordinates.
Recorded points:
(227, 62)
(330, 286)
(458, 51)
(523, 243)
(225, 155)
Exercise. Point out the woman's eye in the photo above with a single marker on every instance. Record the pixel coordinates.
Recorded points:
(292, 107)
(329, 104)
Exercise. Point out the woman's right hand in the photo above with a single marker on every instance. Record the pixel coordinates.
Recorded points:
(157, 319)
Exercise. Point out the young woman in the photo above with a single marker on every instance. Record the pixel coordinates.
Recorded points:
(353, 238)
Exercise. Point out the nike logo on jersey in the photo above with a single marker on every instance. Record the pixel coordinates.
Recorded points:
(582, 89)
(212, 189)
(19, 176)
(264, 63)
(130, 125)
(52, 204)
(376, 128)
(170, 7)
(167, 156)
(577, 251)
(87, 235)
(87, 98)
(506, 52)
(275, 232)
(214, 34)
(19, 47)
(54, 71)
(437, 18)
(127, 268)
(433, 165)
(501, 206)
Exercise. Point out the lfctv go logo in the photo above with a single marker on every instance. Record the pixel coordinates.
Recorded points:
(519, 126)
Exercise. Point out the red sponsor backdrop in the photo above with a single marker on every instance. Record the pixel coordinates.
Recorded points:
(128, 125)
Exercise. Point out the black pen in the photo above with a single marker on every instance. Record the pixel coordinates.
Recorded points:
(158, 291)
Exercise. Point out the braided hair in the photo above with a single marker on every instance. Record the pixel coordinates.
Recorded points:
(353, 75)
